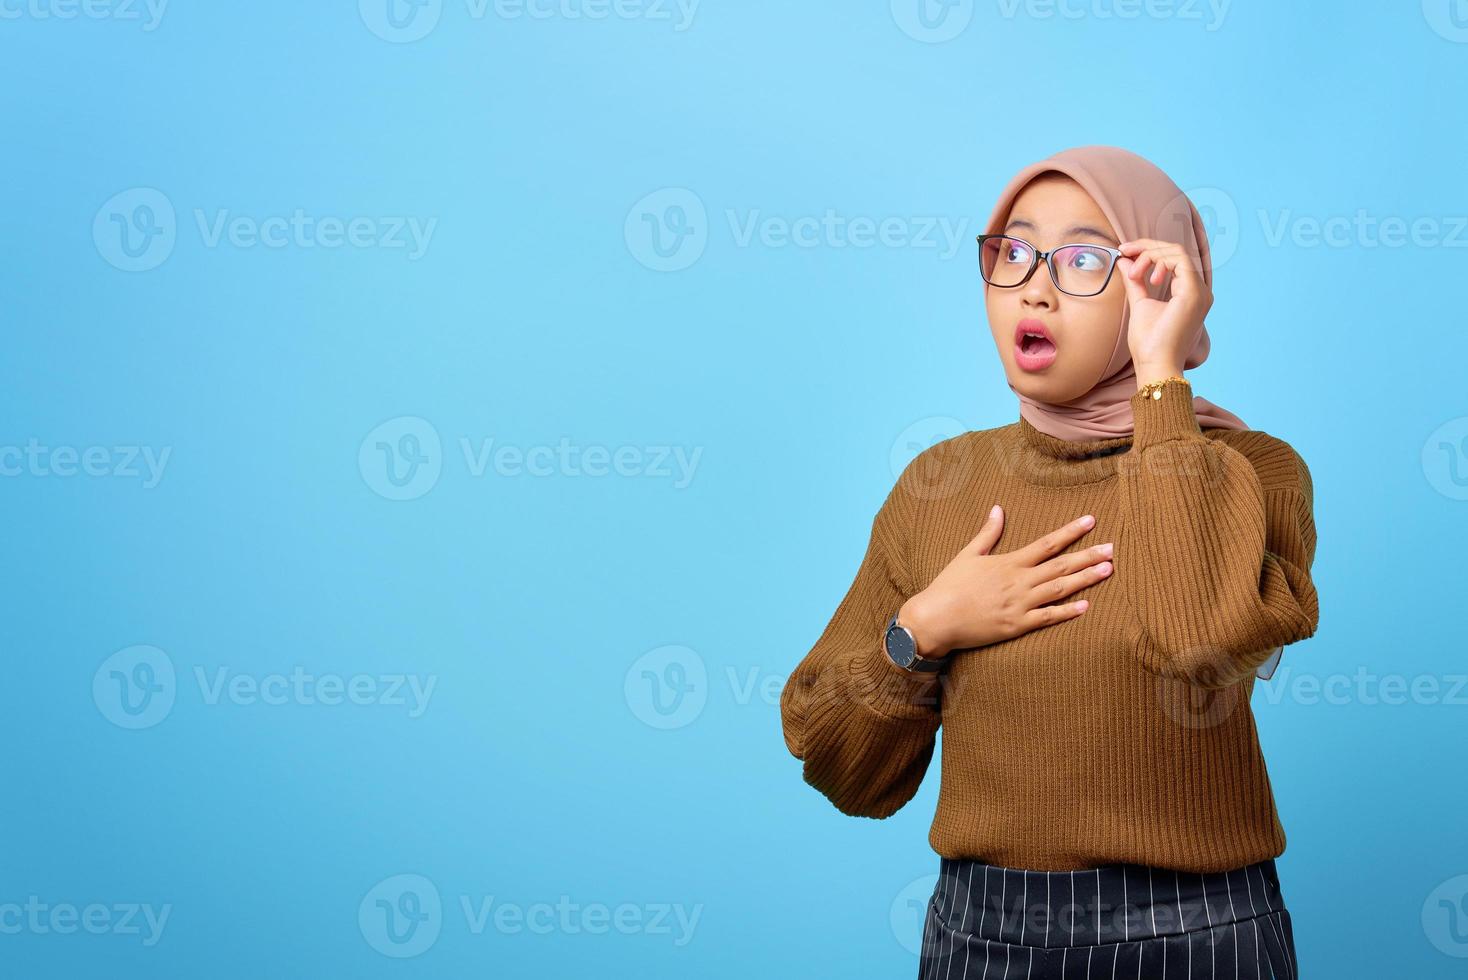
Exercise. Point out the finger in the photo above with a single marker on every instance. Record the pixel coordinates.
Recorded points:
(1170, 259)
(988, 535)
(1137, 264)
(1142, 265)
(1160, 257)
(1058, 588)
(1135, 291)
(1187, 281)
(1050, 615)
(1186, 286)
(1072, 561)
(1049, 545)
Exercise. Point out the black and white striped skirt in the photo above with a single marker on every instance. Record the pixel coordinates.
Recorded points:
(986, 922)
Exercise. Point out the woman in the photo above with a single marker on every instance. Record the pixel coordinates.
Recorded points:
(1090, 644)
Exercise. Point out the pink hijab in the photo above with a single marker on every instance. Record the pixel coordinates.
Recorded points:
(1140, 201)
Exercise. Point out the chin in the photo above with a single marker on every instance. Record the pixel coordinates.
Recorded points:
(1031, 385)
(1044, 388)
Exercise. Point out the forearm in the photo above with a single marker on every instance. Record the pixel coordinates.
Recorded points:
(866, 731)
(1220, 566)
(864, 727)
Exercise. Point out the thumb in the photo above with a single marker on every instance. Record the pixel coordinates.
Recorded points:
(988, 535)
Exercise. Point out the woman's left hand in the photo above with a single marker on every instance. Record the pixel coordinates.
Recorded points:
(1160, 332)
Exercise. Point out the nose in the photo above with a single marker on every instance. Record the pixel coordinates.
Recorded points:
(1040, 291)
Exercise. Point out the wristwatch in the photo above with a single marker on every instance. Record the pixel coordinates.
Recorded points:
(902, 649)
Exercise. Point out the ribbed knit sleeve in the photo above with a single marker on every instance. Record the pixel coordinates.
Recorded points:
(1220, 544)
(864, 727)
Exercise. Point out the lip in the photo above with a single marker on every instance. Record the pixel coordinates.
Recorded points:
(1033, 362)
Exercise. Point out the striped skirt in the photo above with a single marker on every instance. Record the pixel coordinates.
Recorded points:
(986, 922)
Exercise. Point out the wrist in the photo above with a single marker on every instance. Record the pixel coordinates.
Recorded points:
(1161, 412)
(1152, 372)
(916, 615)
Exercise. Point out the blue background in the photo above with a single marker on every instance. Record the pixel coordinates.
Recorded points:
(546, 605)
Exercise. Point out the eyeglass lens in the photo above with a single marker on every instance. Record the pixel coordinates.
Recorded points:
(1078, 269)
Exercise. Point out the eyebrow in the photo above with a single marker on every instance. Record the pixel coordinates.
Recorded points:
(1074, 230)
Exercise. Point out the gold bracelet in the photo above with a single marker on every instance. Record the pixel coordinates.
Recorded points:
(1153, 389)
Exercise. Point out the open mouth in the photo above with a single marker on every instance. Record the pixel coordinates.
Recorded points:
(1034, 348)
(1036, 345)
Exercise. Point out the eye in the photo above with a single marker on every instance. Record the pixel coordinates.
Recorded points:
(1086, 259)
(1016, 253)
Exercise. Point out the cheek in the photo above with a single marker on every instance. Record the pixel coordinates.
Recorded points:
(998, 306)
(1098, 331)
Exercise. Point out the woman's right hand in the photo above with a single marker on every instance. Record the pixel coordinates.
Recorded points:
(981, 598)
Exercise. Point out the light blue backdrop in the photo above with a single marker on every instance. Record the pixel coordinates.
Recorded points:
(432, 434)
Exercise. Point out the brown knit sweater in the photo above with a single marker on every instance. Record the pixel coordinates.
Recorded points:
(1123, 735)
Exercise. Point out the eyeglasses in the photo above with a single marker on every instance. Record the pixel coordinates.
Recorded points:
(1077, 269)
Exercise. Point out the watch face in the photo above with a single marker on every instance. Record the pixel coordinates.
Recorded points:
(900, 646)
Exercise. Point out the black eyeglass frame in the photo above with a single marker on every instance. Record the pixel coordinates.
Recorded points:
(1036, 256)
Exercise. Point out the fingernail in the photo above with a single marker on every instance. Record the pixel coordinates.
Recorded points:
(1107, 548)
(1088, 520)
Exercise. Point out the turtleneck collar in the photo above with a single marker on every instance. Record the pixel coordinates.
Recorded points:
(1045, 460)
